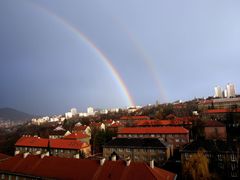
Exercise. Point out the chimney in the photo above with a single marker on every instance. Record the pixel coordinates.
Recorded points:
(128, 162)
(25, 154)
(102, 161)
(152, 164)
(114, 157)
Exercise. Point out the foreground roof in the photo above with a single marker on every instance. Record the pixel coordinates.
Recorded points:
(153, 130)
(31, 141)
(69, 168)
(136, 142)
(3, 157)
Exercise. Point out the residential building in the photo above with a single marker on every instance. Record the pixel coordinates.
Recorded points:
(223, 156)
(98, 125)
(44, 167)
(79, 136)
(69, 148)
(214, 130)
(138, 149)
(231, 90)
(32, 145)
(58, 132)
(115, 127)
(68, 115)
(218, 92)
(74, 111)
(176, 136)
(90, 111)
(53, 147)
(83, 129)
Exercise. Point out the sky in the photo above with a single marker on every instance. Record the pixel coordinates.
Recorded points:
(55, 55)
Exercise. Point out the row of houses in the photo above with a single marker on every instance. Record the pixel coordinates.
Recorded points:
(69, 148)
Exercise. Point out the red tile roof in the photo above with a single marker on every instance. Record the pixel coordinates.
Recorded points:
(68, 168)
(67, 144)
(177, 121)
(212, 111)
(78, 135)
(153, 130)
(116, 124)
(3, 156)
(95, 124)
(80, 128)
(134, 118)
(212, 123)
(30, 141)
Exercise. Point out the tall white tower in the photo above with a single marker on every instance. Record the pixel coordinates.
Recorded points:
(231, 90)
(74, 111)
(218, 92)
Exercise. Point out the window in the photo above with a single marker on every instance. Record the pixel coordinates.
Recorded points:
(233, 157)
(120, 149)
(2, 176)
(177, 140)
(127, 150)
(219, 157)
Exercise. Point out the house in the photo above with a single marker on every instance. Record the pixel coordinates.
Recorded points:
(83, 129)
(115, 127)
(108, 122)
(98, 125)
(69, 148)
(214, 130)
(53, 147)
(50, 167)
(176, 136)
(130, 119)
(32, 145)
(79, 136)
(58, 132)
(138, 149)
(223, 156)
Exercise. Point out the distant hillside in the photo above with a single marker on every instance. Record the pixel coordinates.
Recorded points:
(14, 115)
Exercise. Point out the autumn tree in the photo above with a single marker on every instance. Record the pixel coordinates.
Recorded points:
(196, 167)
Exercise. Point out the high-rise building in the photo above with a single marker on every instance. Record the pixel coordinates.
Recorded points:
(218, 92)
(90, 111)
(231, 90)
(74, 111)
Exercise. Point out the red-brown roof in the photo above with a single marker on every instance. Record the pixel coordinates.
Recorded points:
(116, 124)
(212, 111)
(3, 156)
(177, 121)
(69, 168)
(78, 135)
(30, 141)
(80, 128)
(95, 124)
(212, 123)
(134, 118)
(67, 144)
(153, 130)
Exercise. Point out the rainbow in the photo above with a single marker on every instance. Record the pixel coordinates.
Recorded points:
(146, 58)
(103, 57)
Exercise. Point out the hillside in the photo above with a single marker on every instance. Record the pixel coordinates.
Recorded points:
(14, 115)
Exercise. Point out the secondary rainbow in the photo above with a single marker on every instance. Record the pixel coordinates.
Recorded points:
(103, 57)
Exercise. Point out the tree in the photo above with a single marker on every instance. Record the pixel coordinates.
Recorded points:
(196, 167)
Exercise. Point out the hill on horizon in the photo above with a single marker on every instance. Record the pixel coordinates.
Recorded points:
(14, 115)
